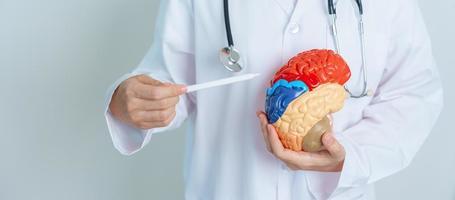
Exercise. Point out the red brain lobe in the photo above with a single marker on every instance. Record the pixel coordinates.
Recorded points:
(315, 67)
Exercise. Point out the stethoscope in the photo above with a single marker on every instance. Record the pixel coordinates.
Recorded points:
(230, 56)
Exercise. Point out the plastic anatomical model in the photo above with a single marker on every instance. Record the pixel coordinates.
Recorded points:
(303, 94)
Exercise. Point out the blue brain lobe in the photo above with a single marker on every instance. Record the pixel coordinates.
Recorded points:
(280, 95)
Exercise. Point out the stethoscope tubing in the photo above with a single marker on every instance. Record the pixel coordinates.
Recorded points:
(334, 30)
(227, 20)
(333, 20)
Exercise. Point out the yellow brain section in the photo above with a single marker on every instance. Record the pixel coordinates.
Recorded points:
(307, 110)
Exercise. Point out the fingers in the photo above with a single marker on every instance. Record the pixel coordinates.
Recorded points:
(292, 167)
(334, 148)
(146, 103)
(286, 155)
(154, 92)
(153, 119)
(149, 105)
(274, 144)
(264, 122)
(157, 124)
(156, 115)
(319, 161)
(330, 159)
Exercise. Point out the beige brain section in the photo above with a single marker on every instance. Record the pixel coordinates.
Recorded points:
(307, 110)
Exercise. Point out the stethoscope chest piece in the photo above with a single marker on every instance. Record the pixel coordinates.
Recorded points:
(230, 58)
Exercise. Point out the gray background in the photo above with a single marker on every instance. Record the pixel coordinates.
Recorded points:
(58, 57)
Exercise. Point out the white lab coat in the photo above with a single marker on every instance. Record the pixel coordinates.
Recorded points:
(225, 153)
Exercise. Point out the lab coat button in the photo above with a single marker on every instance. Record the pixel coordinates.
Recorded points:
(294, 28)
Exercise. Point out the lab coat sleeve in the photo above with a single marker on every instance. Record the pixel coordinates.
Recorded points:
(170, 59)
(400, 116)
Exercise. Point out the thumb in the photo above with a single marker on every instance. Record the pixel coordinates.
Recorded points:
(176, 89)
(335, 149)
(158, 92)
(167, 90)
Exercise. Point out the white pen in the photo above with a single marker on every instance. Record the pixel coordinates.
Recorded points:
(220, 82)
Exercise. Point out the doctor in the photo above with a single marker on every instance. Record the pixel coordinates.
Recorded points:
(231, 151)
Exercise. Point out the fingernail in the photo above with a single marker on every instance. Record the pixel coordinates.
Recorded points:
(258, 113)
(183, 88)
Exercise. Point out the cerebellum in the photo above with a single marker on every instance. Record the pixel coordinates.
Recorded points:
(302, 94)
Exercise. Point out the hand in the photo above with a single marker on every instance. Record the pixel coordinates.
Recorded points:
(330, 159)
(146, 103)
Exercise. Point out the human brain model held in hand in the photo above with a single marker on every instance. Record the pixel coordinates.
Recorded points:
(302, 95)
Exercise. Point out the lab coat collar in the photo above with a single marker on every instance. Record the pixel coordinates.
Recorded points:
(286, 6)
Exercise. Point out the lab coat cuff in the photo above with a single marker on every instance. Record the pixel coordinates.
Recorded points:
(125, 138)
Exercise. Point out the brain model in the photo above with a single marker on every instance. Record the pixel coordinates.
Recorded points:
(302, 94)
